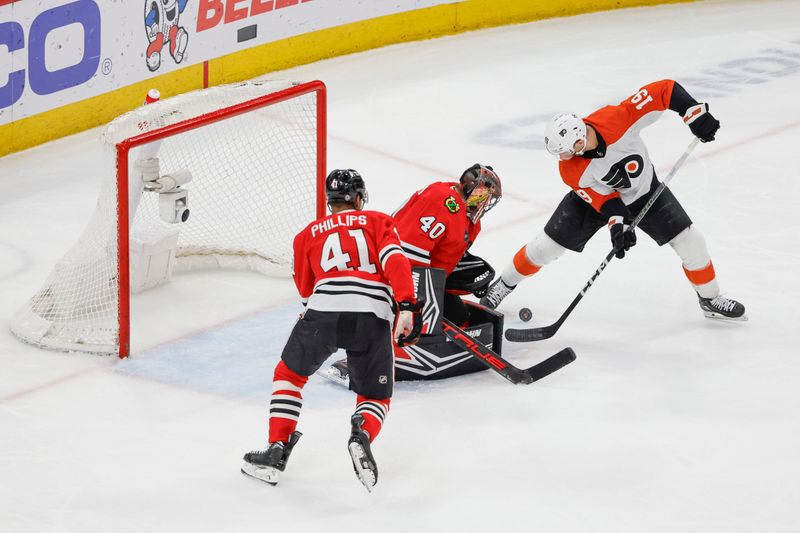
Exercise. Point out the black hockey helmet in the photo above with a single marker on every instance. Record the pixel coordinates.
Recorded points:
(343, 185)
(482, 190)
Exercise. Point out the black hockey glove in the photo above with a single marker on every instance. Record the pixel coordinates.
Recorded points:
(409, 323)
(622, 238)
(702, 123)
(471, 275)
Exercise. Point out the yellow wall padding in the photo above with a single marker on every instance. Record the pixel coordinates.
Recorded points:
(356, 37)
(72, 118)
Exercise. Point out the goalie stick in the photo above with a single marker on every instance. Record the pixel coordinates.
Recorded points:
(501, 366)
(545, 332)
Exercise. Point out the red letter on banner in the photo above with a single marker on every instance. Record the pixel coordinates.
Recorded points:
(209, 14)
(261, 6)
(232, 14)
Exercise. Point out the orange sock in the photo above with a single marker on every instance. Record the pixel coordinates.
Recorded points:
(701, 276)
(524, 265)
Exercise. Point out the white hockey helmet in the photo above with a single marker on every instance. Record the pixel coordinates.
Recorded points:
(562, 132)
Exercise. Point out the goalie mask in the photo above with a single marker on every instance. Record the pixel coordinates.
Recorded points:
(342, 186)
(482, 190)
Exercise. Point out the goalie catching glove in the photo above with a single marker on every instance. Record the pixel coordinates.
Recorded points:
(409, 323)
(472, 275)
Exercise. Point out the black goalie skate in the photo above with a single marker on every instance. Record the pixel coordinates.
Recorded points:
(722, 308)
(267, 465)
(360, 453)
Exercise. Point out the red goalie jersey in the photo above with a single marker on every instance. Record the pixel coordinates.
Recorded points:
(434, 228)
(352, 261)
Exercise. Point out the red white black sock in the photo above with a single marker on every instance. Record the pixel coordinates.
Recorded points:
(287, 400)
(374, 413)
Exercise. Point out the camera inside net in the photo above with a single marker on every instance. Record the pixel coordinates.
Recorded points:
(173, 201)
(173, 207)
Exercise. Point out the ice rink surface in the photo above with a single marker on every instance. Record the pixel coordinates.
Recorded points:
(667, 422)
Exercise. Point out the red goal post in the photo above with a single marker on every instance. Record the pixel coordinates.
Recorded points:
(244, 163)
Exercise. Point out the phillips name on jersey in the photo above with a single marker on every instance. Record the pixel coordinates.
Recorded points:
(352, 261)
(338, 220)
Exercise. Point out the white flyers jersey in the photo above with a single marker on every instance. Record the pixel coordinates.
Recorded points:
(625, 171)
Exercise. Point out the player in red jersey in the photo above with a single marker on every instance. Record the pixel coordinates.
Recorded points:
(606, 163)
(436, 226)
(350, 271)
(440, 222)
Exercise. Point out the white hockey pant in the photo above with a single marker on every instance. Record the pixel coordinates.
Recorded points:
(531, 257)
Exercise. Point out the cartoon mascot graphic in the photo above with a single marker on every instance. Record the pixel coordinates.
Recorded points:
(161, 21)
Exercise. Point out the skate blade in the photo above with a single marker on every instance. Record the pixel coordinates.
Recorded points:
(363, 466)
(331, 374)
(267, 474)
(717, 316)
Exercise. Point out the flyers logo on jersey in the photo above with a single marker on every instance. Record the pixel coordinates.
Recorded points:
(622, 172)
(452, 204)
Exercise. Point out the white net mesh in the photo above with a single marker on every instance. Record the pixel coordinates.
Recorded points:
(253, 188)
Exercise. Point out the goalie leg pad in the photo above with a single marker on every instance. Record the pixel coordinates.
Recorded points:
(436, 357)
(455, 309)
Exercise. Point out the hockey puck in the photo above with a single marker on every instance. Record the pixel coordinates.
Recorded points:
(525, 314)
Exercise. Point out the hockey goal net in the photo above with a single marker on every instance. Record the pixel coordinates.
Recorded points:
(218, 178)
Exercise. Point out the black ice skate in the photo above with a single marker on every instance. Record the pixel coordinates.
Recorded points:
(266, 465)
(337, 372)
(360, 453)
(722, 308)
(496, 293)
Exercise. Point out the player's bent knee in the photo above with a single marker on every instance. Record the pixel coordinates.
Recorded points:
(690, 245)
(543, 250)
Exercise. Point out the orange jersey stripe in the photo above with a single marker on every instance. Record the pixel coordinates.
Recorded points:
(701, 276)
(572, 169)
(614, 121)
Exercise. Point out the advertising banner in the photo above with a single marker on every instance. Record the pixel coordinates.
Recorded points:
(56, 52)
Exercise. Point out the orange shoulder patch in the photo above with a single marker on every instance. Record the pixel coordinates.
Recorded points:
(572, 169)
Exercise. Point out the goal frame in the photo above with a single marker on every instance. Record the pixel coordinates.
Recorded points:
(123, 169)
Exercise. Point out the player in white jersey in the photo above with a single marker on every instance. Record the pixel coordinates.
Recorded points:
(606, 163)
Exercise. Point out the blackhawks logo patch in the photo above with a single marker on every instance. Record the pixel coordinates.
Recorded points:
(452, 205)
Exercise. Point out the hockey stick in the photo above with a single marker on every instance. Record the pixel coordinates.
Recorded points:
(545, 332)
(501, 366)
